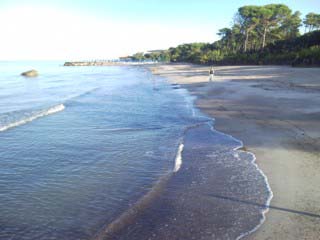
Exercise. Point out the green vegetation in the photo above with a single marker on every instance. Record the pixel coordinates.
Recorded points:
(312, 21)
(161, 56)
(259, 35)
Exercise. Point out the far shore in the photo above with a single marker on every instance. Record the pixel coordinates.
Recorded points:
(275, 111)
(104, 63)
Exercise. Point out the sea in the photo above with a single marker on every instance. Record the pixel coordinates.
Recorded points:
(80, 147)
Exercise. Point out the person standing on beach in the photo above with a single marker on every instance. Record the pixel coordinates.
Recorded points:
(211, 74)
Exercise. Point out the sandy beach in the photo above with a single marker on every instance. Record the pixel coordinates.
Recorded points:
(275, 111)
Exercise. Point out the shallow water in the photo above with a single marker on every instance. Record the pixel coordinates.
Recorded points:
(218, 193)
(80, 145)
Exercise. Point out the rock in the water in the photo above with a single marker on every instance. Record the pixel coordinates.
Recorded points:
(31, 73)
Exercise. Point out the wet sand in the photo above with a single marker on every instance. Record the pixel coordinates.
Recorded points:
(275, 111)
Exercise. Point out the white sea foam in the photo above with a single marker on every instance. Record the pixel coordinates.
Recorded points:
(36, 115)
(178, 160)
(264, 212)
(262, 220)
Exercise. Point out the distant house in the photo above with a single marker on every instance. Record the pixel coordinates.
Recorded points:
(154, 51)
(125, 59)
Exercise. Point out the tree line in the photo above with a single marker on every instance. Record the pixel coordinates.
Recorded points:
(266, 34)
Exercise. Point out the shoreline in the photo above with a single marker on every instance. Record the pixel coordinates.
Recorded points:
(274, 111)
(182, 205)
(104, 63)
(241, 148)
(164, 212)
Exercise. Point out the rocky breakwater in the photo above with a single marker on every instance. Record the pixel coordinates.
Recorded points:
(68, 64)
(104, 63)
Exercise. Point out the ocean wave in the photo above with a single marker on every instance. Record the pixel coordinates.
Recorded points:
(80, 95)
(178, 160)
(129, 216)
(128, 129)
(25, 118)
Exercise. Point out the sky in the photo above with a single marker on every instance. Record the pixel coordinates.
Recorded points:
(106, 29)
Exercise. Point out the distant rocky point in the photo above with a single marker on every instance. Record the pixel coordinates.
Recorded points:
(30, 73)
(104, 63)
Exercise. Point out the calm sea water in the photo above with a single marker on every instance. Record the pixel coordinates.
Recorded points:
(80, 145)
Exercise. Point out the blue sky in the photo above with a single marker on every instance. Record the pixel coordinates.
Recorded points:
(81, 29)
